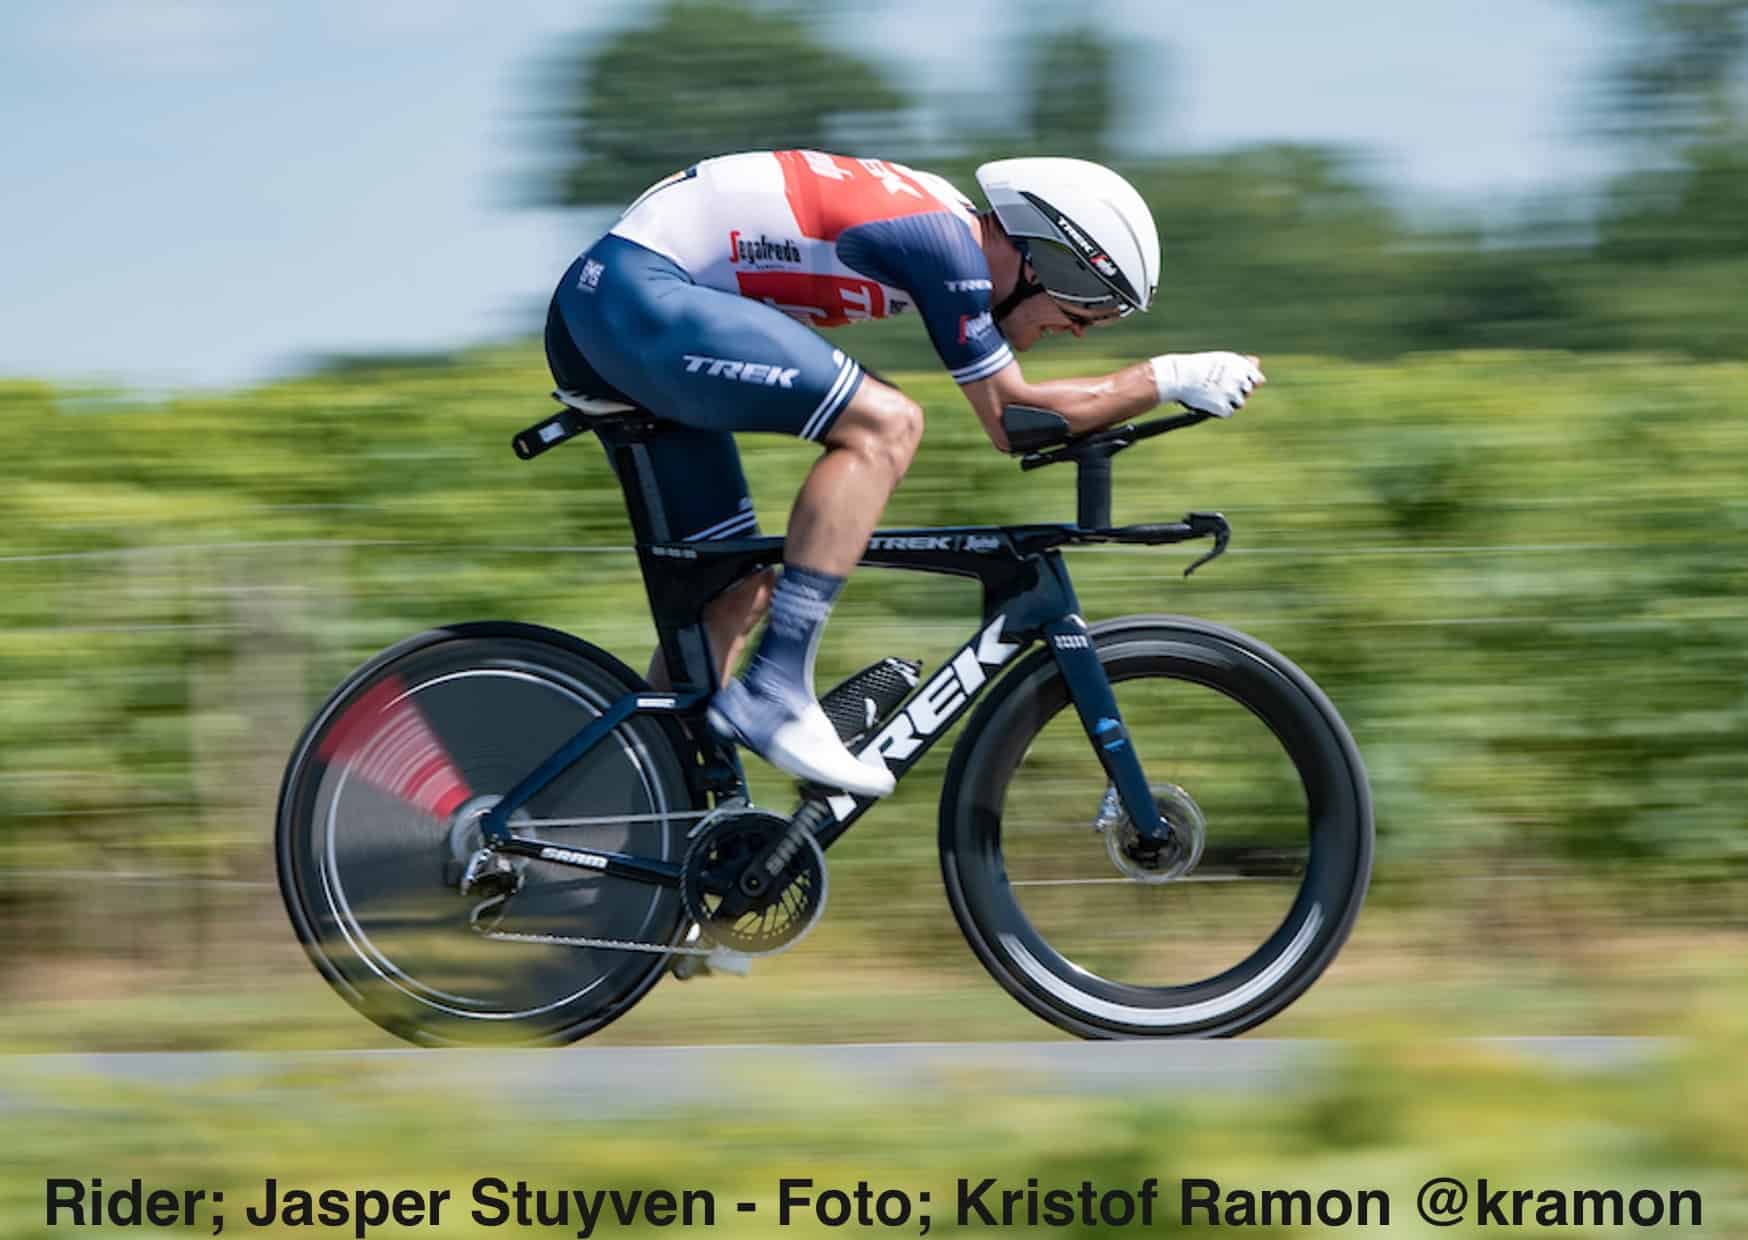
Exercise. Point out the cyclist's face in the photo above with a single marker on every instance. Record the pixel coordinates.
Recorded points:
(1078, 321)
(1041, 316)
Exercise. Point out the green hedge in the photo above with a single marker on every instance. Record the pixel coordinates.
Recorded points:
(1520, 576)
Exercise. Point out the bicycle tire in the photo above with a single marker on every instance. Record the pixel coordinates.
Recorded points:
(366, 863)
(986, 784)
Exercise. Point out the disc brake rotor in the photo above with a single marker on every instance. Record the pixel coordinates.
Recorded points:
(1177, 858)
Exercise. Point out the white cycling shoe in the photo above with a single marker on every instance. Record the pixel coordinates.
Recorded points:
(805, 745)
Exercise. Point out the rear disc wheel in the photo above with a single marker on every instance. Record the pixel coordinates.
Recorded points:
(380, 810)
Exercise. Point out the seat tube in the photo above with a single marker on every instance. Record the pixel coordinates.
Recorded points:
(1093, 698)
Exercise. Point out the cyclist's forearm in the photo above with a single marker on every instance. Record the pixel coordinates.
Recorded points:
(1089, 404)
(1085, 404)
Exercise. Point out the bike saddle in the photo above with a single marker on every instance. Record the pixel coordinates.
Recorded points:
(583, 411)
(592, 404)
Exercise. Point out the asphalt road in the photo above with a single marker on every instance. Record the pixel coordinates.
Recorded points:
(652, 1076)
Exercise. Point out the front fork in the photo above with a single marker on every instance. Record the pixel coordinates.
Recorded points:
(1097, 704)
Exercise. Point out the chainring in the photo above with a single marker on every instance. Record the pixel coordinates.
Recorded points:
(747, 911)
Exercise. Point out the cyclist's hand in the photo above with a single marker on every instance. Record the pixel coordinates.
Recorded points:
(1215, 383)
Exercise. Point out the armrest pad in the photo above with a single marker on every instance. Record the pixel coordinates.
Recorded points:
(1029, 429)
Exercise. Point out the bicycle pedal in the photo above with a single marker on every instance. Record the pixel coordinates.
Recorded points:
(720, 961)
(860, 704)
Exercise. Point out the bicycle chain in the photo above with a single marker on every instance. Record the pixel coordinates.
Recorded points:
(564, 940)
(626, 945)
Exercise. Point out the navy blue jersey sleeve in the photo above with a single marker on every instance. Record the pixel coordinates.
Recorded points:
(935, 259)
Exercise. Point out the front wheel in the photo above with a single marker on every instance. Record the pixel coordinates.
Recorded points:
(1272, 847)
(380, 814)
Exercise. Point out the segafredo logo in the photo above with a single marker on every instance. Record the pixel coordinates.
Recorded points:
(762, 249)
(574, 858)
(939, 702)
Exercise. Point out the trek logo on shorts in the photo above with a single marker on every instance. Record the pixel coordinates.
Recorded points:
(969, 286)
(746, 372)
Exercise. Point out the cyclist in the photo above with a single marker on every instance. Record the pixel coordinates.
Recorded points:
(693, 307)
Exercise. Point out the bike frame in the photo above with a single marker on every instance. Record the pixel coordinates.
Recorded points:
(1027, 597)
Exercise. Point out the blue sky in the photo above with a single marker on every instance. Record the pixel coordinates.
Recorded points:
(203, 192)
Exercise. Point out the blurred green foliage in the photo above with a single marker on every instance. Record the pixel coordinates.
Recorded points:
(1383, 1116)
(1518, 575)
(1276, 248)
(702, 77)
(1073, 92)
(1505, 533)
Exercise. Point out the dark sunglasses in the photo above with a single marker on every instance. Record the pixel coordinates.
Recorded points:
(1085, 320)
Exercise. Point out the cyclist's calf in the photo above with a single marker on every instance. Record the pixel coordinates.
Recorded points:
(729, 618)
(732, 615)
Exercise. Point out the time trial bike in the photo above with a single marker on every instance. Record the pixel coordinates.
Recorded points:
(1151, 826)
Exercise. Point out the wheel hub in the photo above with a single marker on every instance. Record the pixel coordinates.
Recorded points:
(1145, 861)
(468, 864)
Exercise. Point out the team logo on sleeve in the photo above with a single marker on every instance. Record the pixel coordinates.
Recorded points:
(975, 328)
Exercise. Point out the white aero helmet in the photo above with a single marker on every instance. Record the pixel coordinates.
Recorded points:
(1087, 233)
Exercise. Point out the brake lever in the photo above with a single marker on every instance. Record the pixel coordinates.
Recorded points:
(1208, 523)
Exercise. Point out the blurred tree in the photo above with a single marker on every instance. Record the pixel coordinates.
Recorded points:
(705, 77)
(1282, 247)
(1681, 81)
(1072, 93)
(1698, 211)
(1677, 100)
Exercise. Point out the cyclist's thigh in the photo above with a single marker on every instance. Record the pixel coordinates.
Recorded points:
(701, 489)
(701, 356)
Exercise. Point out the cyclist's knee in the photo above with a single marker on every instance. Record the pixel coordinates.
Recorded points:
(882, 424)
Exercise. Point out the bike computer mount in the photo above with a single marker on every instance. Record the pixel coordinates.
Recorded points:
(1039, 438)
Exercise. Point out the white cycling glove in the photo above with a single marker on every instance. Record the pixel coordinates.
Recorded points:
(1215, 383)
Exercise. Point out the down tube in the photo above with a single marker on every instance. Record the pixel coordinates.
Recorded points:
(929, 714)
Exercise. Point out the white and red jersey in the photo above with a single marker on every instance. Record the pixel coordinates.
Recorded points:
(829, 240)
